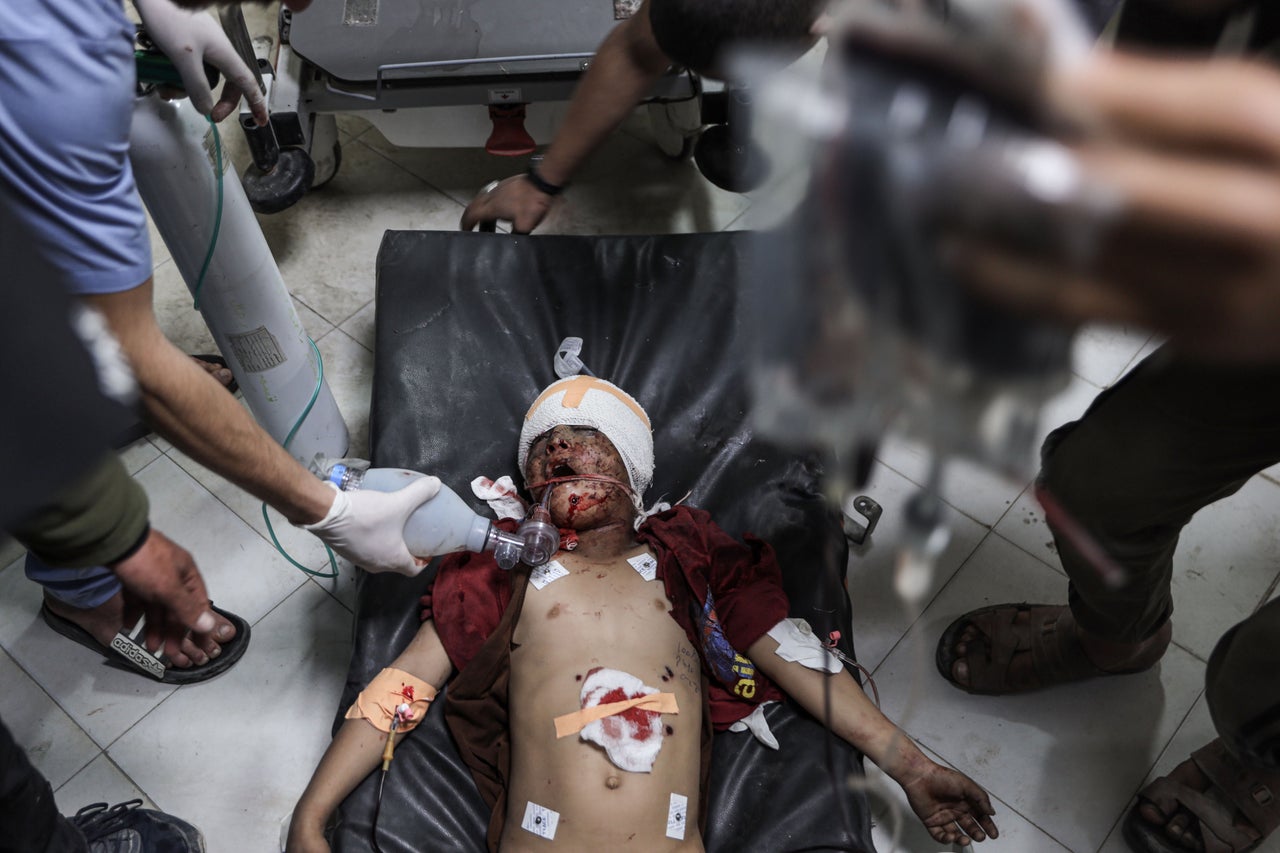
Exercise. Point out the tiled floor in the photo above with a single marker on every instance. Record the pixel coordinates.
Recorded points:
(232, 755)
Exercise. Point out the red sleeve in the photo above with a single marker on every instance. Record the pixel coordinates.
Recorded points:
(747, 584)
(744, 579)
(466, 603)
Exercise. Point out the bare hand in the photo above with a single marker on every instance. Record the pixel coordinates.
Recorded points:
(514, 200)
(951, 806)
(161, 581)
(1190, 150)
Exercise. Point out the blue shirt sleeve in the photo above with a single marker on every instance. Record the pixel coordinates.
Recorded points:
(68, 205)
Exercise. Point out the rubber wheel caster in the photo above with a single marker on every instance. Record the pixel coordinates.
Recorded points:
(283, 186)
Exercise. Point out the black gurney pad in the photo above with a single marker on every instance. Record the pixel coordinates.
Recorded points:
(466, 328)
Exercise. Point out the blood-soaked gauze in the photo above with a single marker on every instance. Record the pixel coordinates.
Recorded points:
(385, 698)
(623, 715)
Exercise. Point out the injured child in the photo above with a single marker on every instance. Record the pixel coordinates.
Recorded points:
(587, 689)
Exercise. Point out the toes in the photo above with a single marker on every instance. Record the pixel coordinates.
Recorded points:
(1151, 814)
(960, 672)
(194, 653)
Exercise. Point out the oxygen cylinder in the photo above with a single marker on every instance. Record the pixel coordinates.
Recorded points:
(243, 297)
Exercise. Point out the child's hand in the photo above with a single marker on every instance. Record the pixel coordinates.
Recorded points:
(950, 805)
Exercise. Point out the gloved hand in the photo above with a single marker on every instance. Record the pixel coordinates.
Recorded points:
(190, 39)
(368, 527)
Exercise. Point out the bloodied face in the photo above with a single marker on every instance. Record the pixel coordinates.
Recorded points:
(571, 451)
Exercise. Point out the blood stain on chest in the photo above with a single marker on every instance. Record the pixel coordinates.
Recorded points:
(632, 724)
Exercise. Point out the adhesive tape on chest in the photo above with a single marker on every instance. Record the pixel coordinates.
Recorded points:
(621, 714)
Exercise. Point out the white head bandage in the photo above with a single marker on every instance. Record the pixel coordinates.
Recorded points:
(590, 402)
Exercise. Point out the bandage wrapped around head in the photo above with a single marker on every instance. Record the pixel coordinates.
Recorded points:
(589, 402)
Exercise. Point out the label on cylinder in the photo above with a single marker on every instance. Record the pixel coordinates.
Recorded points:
(257, 350)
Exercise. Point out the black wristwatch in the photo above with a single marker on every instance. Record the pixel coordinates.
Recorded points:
(542, 184)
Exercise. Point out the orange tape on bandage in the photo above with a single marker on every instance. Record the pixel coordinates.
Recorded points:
(570, 724)
(390, 689)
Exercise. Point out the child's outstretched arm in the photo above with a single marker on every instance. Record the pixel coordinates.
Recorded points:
(952, 807)
(357, 748)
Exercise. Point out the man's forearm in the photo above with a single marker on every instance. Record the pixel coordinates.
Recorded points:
(623, 72)
(188, 406)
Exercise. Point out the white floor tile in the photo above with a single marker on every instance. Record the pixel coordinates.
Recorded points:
(101, 782)
(139, 455)
(1070, 757)
(978, 492)
(348, 368)
(102, 700)
(361, 326)
(1017, 834)
(880, 618)
(1102, 353)
(1196, 731)
(10, 550)
(54, 744)
(1227, 558)
(1024, 526)
(327, 244)
(649, 194)
(181, 323)
(242, 572)
(1226, 561)
(300, 545)
(262, 728)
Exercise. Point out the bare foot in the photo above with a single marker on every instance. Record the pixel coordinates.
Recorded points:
(1183, 828)
(217, 371)
(105, 620)
(1104, 655)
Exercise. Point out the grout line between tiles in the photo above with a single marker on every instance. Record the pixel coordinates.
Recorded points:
(1124, 810)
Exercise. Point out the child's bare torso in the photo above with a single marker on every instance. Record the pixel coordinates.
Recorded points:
(602, 614)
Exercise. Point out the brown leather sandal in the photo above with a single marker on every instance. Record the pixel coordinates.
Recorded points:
(1233, 788)
(1049, 634)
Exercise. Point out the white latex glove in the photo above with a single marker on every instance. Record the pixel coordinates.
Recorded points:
(367, 527)
(190, 39)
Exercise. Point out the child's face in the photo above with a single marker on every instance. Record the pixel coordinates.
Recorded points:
(566, 451)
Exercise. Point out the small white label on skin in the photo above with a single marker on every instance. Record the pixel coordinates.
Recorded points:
(646, 565)
(677, 813)
(541, 821)
(546, 573)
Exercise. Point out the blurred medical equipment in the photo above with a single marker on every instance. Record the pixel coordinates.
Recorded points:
(492, 73)
(923, 117)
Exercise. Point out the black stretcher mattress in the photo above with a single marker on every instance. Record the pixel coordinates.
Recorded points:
(467, 325)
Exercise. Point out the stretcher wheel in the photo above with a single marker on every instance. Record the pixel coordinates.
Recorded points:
(283, 186)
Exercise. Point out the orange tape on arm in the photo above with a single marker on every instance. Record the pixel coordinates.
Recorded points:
(388, 690)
